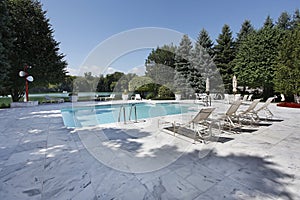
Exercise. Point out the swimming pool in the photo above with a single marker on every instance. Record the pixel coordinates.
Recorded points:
(104, 114)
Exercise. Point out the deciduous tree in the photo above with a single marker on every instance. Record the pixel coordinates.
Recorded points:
(160, 64)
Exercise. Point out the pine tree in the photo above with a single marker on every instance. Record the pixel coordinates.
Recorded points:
(205, 41)
(182, 57)
(296, 19)
(183, 65)
(224, 54)
(255, 59)
(284, 21)
(287, 74)
(5, 45)
(268, 22)
(34, 45)
(204, 67)
(245, 30)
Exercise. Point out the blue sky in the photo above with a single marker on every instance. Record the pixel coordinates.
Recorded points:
(81, 25)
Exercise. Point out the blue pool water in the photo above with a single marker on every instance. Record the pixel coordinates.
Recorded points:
(104, 114)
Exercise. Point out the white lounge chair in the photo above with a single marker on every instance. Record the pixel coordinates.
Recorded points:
(250, 97)
(265, 108)
(245, 97)
(203, 99)
(282, 97)
(296, 98)
(227, 98)
(230, 115)
(199, 124)
(236, 97)
(249, 113)
(111, 97)
(137, 97)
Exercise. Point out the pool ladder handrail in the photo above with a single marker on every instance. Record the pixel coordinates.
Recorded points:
(122, 110)
(124, 114)
(130, 112)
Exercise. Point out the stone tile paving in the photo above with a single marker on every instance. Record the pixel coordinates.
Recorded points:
(41, 159)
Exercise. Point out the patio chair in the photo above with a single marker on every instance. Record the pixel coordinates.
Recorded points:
(203, 99)
(230, 115)
(245, 97)
(250, 97)
(137, 97)
(296, 98)
(249, 112)
(265, 108)
(236, 97)
(111, 97)
(199, 124)
(228, 98)
(282, 97)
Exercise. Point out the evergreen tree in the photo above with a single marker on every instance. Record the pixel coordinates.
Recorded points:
(33, 45)
(182, 57)
(287, 75)
(5, 45)
(205, 41)
(224, 54)
(268, 22)
(255, 59)
(284, 21)
(183, 65)
(246, 29)
(102, 86)
(296, 19)
(204, 67)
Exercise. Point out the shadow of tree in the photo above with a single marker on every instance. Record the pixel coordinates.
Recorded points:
(125, 141)
(256, 173)
(236, 175)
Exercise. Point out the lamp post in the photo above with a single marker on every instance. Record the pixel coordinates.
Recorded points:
(28, 78)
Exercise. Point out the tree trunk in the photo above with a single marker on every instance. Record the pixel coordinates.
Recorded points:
(244, 90)
(16, 95)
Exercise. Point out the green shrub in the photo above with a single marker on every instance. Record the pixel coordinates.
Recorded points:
(164, 98)
(3, 105)
(164, 92)
(151, 95)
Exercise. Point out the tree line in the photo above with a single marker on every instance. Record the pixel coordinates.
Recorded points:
(265, 58)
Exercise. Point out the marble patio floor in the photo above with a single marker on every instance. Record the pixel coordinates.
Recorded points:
(42, 159)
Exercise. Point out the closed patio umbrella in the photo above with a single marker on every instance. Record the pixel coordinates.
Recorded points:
(207, 85)
(234, 84)
(208, 99)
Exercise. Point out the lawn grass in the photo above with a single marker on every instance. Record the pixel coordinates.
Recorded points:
(5, 102)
